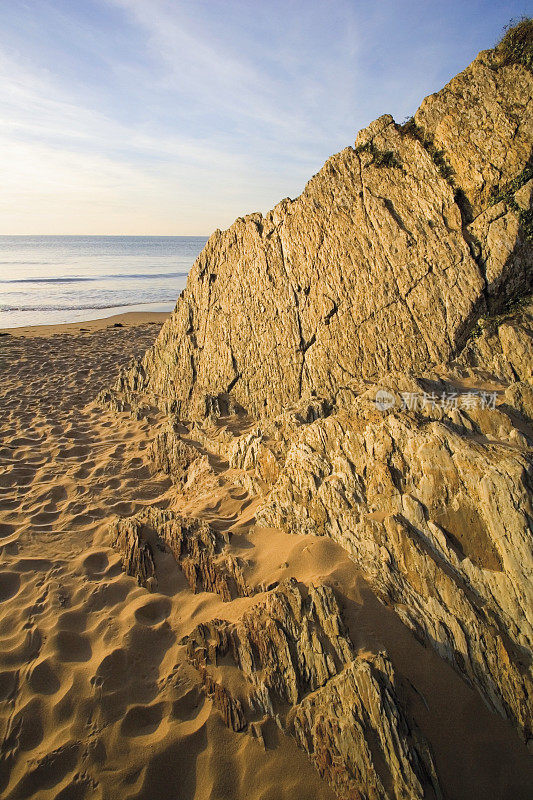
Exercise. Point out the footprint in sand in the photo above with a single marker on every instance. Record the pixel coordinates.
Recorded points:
(142, 720)
(57, 494)
(118, 452)
(25, 441)
(28, 724)
(39, 607)
(9, 585)
(83, 471)
(27, 650)
(111, 673)
(11, 505)
(112, 483)
(76, 451)
(153, 612)
(122, 508)
(9, 681)
(43, 678)
(74, 620)
(107, 594)
(95, 565)
(50, 770)
(44, 517)
(72, 646)
(189, 705)
(34, 565)
(77, 790)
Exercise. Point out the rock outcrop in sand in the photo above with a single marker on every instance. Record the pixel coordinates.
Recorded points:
(194, 544)
(384, 262)
(359, 361)
(301, 669)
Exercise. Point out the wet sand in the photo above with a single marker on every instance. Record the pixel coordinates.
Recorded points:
(129, 319)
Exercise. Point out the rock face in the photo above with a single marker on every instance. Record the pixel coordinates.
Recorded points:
(439, 517)
(382, 263)
(360, 360)
(195, 546)
(340, 725)
(342, 709)
(171, 454)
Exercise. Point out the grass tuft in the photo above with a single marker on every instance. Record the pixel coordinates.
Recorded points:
(511, 310)
(516, 44)
(410, 128)
(380, 158)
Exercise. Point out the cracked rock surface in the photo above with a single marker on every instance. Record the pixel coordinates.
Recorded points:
(355, 369)
(302, 670)
(373, 268)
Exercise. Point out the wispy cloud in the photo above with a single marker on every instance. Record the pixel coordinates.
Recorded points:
(174, 116)
(278, 69)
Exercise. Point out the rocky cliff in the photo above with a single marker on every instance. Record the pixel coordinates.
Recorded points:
(384, 262)
(359, 362)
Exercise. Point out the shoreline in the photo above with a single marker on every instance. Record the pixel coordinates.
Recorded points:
(127, 319)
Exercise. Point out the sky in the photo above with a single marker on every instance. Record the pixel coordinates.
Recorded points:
(174, 117)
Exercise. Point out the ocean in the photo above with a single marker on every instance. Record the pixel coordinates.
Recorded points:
(46, 280)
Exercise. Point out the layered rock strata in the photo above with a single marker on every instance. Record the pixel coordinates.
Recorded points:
(195, 545)
(360, 360)
(384, 262)
(343, 709)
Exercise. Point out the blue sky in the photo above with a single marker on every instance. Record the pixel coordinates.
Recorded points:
(170, 117)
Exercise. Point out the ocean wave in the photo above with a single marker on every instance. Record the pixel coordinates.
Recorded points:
(91, 307)
(141, 276)
(18, 262)
(46, 280)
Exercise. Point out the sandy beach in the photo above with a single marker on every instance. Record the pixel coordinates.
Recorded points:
(266, 401)
(97, 699)
(129, 319)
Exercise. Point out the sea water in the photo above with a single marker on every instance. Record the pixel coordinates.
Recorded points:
(46, 280)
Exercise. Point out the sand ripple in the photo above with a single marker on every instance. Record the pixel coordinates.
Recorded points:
(95, 700)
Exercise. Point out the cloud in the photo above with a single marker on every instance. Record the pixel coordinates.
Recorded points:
(256, 67)
(69, 168)
(174, 116)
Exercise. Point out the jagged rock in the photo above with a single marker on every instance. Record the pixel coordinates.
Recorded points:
(373, 268)
(293, 648)
(503, 346)
(397, 272)
(201, 478)
(354, 715)
(259, 452)
(213, 407)
(438, 518)
(289, 644)
(519, 395)
(230, 708)
(171, 454)
(195, 545)
(256, 730)
(478, 121)
(136, 551)
(120, 404)
(215, 438)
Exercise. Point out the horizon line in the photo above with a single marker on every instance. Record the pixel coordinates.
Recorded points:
(111, 235)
